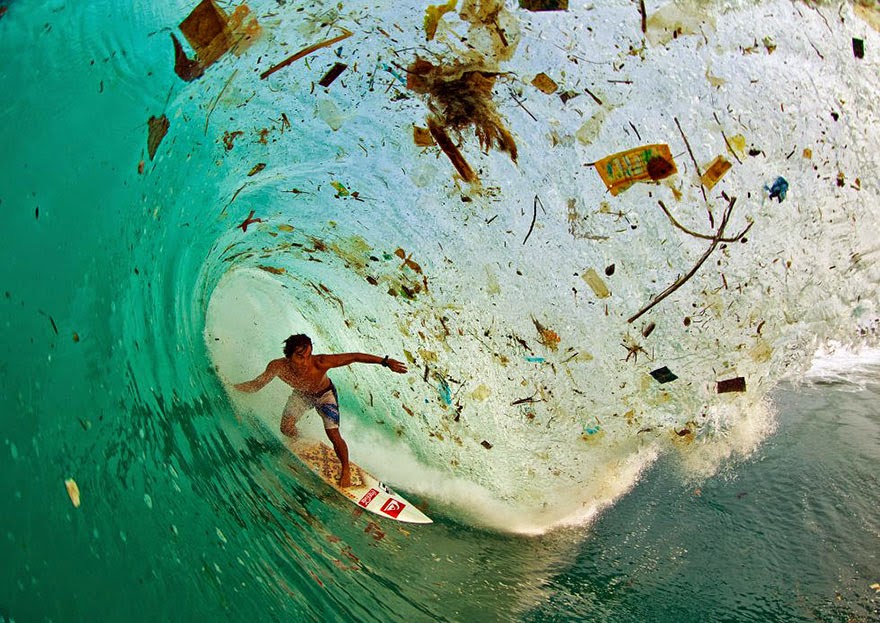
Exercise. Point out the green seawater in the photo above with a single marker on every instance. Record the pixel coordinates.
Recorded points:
(192, 509)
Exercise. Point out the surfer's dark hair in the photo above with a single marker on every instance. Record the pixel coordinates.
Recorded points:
(296, 343)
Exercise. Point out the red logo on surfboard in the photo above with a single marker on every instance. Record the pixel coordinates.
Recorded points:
(365, 501)
(393, 507)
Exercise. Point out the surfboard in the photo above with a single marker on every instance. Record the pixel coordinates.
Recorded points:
(366, 491)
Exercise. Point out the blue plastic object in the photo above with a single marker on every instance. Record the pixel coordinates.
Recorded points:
(778, 189)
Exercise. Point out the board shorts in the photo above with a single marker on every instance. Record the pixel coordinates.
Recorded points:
(326, 404)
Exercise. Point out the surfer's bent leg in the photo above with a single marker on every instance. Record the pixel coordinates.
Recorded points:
(293, 411)
(329, 411)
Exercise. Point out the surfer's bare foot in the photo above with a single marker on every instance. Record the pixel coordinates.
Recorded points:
(345, 479)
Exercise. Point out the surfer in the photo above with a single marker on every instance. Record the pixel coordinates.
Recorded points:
(307, 375)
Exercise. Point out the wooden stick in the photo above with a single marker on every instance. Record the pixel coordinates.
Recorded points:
(305, 52)
(534, 118)
(726, 142)
(681, 280)
(595, 99)
(451, 151)
(696, 166)
(534, 217)
(703, 236)
(217, 100)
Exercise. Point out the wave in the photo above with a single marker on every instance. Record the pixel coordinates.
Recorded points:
(543, 318)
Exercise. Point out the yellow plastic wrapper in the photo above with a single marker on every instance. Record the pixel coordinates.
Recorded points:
(648, 163)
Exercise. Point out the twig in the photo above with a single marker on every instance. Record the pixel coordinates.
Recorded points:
(719, 236)
(726, 142)
(703, 236)
(452, 152)
(595, 99)
(634, 130)
(217, 100)
(534, 217)
(534, 118)
(305, 52)
(697, 167)
(827, 25)
(526, 400)
(644, 16)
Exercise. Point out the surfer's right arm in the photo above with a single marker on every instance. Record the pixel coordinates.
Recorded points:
(260, 382)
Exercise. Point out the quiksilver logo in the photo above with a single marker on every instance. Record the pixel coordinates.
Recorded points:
(393, 507)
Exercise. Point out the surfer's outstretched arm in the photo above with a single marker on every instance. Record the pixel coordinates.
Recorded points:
(260, 382)
(344, 359)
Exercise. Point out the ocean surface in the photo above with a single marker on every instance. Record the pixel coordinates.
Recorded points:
(563, 421)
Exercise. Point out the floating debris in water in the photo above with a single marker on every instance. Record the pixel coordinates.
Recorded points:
(332, 74)
(549, 337)
(272, 269)
(72, 491)
(648, 163)
(187, 69)
(778, 189)
(597, 285)
(305, 52)
(545, 84)
(858, 46)
(422, 137)
(157, 129)
(544, 5)
(250, 220)
(737, 384)
(229, 138)
(717, 169)
(433, 13)
(460, 99)
(663, 375)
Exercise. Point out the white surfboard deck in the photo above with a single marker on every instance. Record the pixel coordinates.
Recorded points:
(365, 491)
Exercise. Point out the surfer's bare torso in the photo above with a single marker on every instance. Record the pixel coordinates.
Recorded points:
(308, 376)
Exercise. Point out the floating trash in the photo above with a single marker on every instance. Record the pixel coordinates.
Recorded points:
(72, 491)
(858, 46)
(597, 285)
(332, 74)
(544, 5)
(663, 375)
(737, 384)
(717, 169)
(157, 128)
(648, 163)
(778, 189)
(545, 84)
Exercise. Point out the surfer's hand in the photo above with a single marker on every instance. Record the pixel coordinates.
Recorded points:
(396, 366)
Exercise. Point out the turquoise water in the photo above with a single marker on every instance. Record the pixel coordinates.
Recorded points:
(131, 298)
